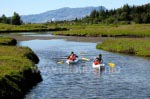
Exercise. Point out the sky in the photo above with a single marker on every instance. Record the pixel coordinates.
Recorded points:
(26, 7)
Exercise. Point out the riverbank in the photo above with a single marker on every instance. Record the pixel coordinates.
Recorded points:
(7, 41)
(83, 30)
(18, 72)
(102, 30)
(135, 46)
(7, 28)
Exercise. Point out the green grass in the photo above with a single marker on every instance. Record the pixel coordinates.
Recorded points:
(102, 30)
(18, 71)
(14, 60)
(13, 63)
(134, 30)
(4, 28)
(7, 41)
(136, 46)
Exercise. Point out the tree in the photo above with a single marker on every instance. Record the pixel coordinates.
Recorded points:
(146, 18)
(0, 20)
(123, 16)
(76, 20)
(16, 19)
(126, 8)
(110, 20)
(4, 19)
(94, 14)
(127, 14)
(137, 18)
(9, 20)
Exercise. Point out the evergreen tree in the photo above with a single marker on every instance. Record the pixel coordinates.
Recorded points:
(4, 19)
(9, 20)
(127, 14)
(94, 14)
(16, 19)
(0, 20)
(146, 18)
(76, 20)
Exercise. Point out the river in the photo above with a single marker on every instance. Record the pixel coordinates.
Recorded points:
(129, 79)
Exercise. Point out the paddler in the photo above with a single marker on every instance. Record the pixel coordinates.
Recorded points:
(72, 56)
(98, 60)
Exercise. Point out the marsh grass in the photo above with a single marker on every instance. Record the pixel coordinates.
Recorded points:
(4, 28)
(18, 72)
(14, 60)
(136, 46)
(7, 41)
(102, 30)
(134, 30)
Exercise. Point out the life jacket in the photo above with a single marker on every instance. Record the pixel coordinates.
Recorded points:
(96, 62)
(72, 57)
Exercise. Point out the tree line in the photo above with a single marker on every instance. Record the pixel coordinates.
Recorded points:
(126, 14)
(15, 19)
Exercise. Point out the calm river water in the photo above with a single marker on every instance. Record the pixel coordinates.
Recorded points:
(130, 78)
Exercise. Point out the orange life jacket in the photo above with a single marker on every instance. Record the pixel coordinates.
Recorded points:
(72, 57)
(96, 62)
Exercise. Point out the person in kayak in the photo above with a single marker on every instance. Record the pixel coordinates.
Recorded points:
(98, 60)
(72, 56)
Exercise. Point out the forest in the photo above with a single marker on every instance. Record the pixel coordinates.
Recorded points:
(125, 15)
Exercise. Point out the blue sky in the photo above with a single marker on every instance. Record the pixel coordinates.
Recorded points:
(25, 7)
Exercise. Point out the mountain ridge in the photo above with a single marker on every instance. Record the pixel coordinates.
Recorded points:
(65, 13)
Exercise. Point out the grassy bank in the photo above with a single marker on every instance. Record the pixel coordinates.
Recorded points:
(5, 28)
(7, 41)
(136, 46)
(102, 30)
(18, 72)
(133, 30)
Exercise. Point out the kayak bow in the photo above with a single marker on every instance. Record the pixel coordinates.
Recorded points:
(98, 66)
(71, 61)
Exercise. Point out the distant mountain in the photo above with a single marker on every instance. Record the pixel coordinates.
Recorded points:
(60, 14)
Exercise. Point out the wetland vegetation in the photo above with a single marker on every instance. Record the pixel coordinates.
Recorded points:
(18, 72)
(136, 46)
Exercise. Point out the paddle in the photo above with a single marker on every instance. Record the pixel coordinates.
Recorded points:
(86, 59)
(111, 64)
(60, 62)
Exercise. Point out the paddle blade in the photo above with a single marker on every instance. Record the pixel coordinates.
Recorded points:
(86, 59)
(60, 62)
(111, 64)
